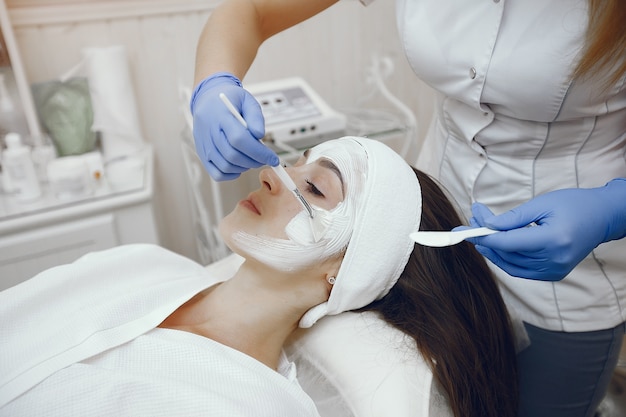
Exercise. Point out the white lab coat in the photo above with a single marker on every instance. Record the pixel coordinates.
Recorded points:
(509, 125)
(81, 339)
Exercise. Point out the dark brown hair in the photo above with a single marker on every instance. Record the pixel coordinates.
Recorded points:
(605, 41)
(448, 300)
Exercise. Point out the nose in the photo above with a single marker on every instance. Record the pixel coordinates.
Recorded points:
(270, 181)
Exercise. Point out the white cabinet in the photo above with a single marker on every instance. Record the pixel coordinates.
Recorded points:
(52, 232)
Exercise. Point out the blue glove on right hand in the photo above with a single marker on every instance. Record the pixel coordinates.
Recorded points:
(224, 146)
(570, 223)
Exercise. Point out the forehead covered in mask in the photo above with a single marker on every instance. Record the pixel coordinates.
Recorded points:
(351, 160)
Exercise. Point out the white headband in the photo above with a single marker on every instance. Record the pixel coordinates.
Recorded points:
(389, 208)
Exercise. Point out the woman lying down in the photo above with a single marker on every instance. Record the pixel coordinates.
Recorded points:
(137, 330)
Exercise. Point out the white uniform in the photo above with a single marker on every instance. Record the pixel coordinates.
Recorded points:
(509, 125)
(98, 352)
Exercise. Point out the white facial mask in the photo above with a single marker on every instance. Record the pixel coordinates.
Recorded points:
(300, 249)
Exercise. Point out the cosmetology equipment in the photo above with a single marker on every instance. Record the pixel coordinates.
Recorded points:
(379, 114)
(19, 170)
(296, 117)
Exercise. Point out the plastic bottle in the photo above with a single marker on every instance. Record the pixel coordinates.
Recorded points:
(11, 117)
(19, 169)
(42, 155)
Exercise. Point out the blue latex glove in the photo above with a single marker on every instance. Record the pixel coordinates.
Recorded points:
(568, 225)
(224, 146)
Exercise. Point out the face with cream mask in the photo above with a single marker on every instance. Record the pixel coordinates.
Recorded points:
(271, 226)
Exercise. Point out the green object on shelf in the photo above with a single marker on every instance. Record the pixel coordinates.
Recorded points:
(66, 113)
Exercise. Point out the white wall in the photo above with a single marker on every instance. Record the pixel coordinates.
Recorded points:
(330, 51)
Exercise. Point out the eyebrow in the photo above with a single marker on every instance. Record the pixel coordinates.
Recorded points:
(328, 164)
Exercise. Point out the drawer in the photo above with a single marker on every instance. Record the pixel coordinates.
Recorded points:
(25, 254)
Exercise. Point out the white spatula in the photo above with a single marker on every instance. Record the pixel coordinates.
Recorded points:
(440, 239)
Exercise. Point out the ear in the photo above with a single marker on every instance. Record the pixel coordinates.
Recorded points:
(331, 271)
(331, 276)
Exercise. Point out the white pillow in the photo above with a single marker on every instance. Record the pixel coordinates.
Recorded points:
(355, 364)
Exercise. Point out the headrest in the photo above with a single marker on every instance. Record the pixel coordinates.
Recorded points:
(355, 364)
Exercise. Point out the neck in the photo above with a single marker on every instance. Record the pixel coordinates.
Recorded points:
(252, 312)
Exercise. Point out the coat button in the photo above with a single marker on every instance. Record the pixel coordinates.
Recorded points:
(472, 73)
(496, 1)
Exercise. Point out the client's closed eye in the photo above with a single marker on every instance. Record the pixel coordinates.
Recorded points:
(313, 189)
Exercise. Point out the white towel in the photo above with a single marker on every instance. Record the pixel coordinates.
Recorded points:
(167, 373)
(96, 353)
(388, 209)
(41, 335)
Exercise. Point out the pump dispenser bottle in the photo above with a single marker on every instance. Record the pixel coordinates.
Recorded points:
(19, 169)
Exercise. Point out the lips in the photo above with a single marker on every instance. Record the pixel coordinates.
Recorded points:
(250, 204)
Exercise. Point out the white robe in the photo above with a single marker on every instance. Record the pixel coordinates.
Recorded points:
(81, 339)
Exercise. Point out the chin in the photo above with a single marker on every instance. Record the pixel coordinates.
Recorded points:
(225, 230)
